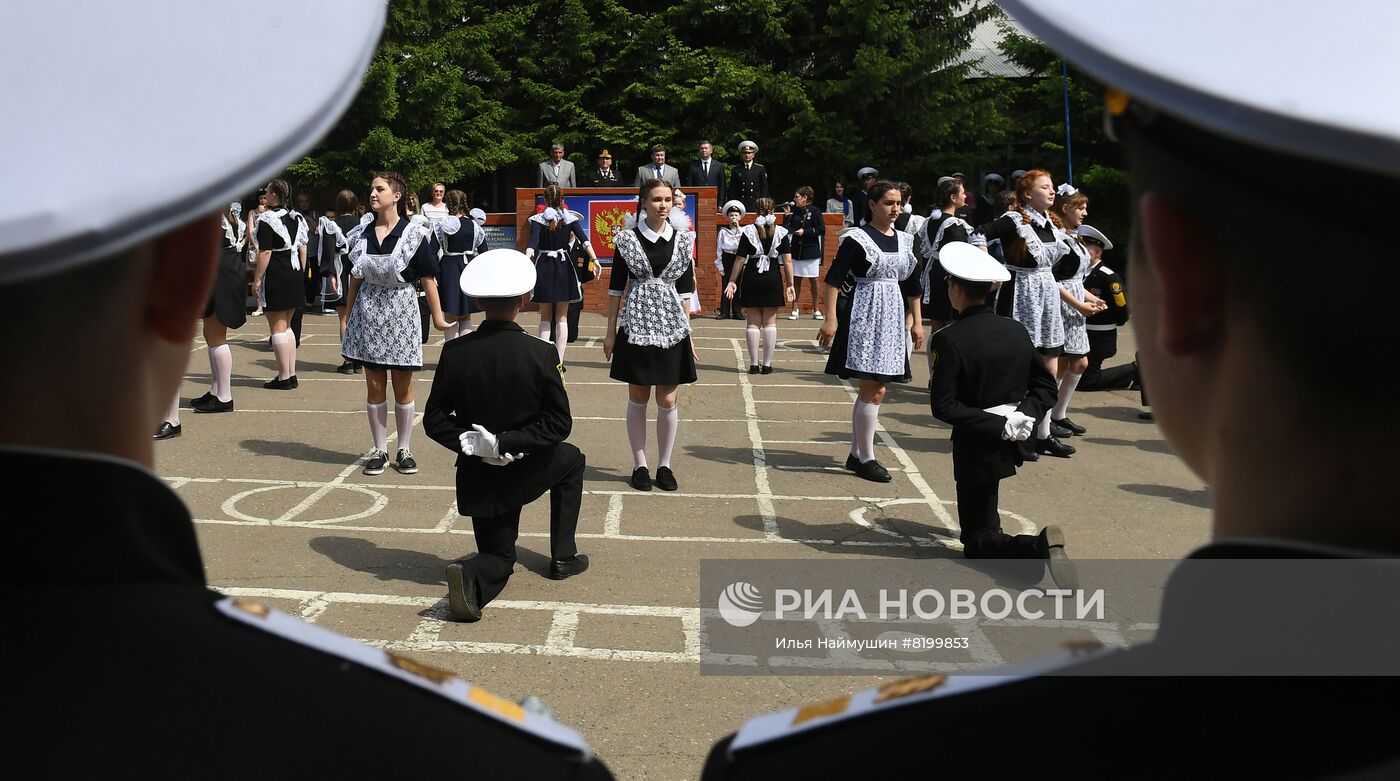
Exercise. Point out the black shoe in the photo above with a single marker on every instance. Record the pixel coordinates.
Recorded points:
(462, 598)
(1062, 569)
(1078, 430)
(1028, 450)
(405, 464)
(346, 368)
(558, 570)
(1060, 432)
(276, 384)
(376, 462)
(167, 431)
(872, 470)
(753, 369)
(1054, 447)
(738, 316)
(665, 480)
(213, 405)
(358, 368)
(852, 463)
(721, 315)
(766, 370)
(641, 479)
(1146, 416)
(205, 399)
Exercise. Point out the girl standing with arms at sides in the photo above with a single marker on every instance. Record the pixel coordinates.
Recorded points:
(1032, 241)
(1076, 306)
(225, 310)
(650, 348)
(335, 261)
(806, 226)
(556, 283)
(388, 253)
(282, 235)
(764, 264)
(726, 245)
(251, 227)
(461, 239)
(874, 269)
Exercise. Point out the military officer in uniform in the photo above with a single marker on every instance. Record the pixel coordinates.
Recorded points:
(498, 401)
(604, 175)
(122, 659)
(1216, 307)
(749, 180)
(860, 200)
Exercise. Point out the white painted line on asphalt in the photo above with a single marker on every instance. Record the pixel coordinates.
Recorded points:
(562, 629)
(448, 518)
(612, 524)
(760, 465)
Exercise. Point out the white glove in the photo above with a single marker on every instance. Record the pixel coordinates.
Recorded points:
(503, 460)
(1018, 426)
(480, 442)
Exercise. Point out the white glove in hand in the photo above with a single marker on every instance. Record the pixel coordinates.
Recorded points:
(480, 442)
(504, 460)
(1018, 426)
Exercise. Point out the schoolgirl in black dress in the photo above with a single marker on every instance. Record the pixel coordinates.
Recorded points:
(388, 253)
(461, 239)
(557, 282)
(764, 268)
(650, 347)
(870, 284)
(335, 261)
(282, 234)
(226, 309)
(942, 228)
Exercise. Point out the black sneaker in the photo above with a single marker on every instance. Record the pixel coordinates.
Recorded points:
(753, 369)
(641, 479)
(558, 570)
(1060, 432)
(766, 370)
(1054, 447)
(873, 471)
(665, 480)
(213, 405)
(346, 368)
(1078, 430)
(462, 598)
(376, 462)
(167, 431)
(405, 464)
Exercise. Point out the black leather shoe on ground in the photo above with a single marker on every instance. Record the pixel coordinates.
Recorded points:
(462, 599)
(205, 399)
(753, 369)
(276, 384)
(1062, 568)
(872, 470)
(1078, 430)
(665, 479)
(766, 370)
(738, 316)
(212, 405)
(721, 315)
(167, 431)
(852, 463)
(1028, 453)
(641, 479)
(405, 463)
(1146, 416)
(1054, 447)
(346, 368)
(558, 570)
(1059, 432)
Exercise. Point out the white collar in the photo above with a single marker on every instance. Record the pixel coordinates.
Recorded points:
(650, 235)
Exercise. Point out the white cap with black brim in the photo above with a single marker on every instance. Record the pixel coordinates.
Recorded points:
(972, 264)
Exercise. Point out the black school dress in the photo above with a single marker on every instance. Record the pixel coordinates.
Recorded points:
(282, 283)
(227, 301)
(644, 364)
(556, 281)
(762, 282)
(335, 260)
(461, 240)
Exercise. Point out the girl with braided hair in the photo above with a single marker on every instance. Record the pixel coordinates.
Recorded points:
(764, 266)
(556, 283)
(461, 240)
(282, 234)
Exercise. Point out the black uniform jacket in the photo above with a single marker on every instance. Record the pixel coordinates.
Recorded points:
(1116, 710)
(119, 659)
(747, 185)
(510, 383)
(985, 360)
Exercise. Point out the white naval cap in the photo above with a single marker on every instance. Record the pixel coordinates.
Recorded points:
(1250, 89)
(734, 205)
(964, 261)
(867, 171)
(498, 273)
(135, 106)
(1094, 234)
(747, 145)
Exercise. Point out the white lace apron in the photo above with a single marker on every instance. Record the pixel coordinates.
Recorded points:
(929, 246)
(1076, 334)
(384, 325)
(875, 335)
(1036, 302)
(653, 314)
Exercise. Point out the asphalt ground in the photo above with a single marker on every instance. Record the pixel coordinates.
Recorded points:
(284, 515)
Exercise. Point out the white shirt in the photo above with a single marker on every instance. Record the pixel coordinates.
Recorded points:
(650, 235)
(435, 214)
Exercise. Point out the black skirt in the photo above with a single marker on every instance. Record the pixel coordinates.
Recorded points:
(341, 300)
(454, 301)
(556, 282)
(282, 285)
(939, 307)
(836, 360)
(763, 290)
(228, 300)
(636, 365)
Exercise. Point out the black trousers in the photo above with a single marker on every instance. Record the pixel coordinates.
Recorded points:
(727, 306)
(1123, 377)
(496, 535)
(981, 533)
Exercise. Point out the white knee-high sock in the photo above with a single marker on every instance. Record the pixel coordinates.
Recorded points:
(561, 338)
(1067, 386)
(221, 368)
(1042, 431)
(637, 432)
(546, 331)
(379, 424)
(668, 421)
(284, 346)
(867, 417)
(464, 326)
(173, 417)
(751, 335)
(451, 333)
(770, 343)
(403, 421)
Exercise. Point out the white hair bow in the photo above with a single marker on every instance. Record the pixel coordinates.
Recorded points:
(765, 219)
(551, 214)
(1065, 190)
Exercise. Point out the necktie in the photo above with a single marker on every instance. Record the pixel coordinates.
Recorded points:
(658, 171)
(707, 169)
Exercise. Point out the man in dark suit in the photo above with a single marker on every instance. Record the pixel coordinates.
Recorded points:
(498, 401)
(749, 180)
(707, 172)
(603, 175)
(658, 169)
